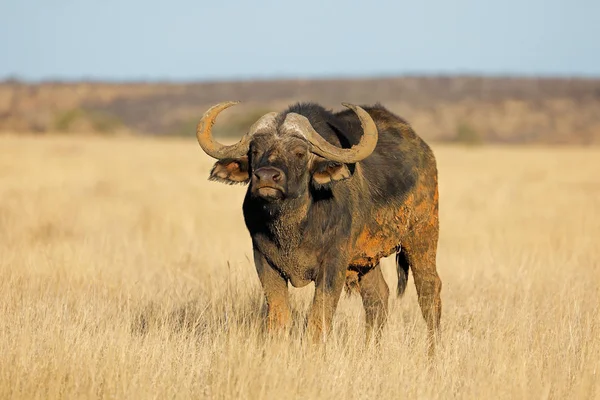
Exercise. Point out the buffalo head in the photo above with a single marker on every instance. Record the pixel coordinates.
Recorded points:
(282, 154)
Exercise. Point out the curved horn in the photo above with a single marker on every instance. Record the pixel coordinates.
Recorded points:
(221, 151)
(356, 153)
(211, 146)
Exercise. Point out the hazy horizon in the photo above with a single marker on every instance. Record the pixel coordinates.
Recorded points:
(291, 77)
(68, 40)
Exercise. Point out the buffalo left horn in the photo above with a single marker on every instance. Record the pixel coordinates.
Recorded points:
(356, 153)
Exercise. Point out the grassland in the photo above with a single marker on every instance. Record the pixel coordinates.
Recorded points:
(125, 274)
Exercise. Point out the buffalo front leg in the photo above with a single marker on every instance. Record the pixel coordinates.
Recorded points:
(276, 294)
(328, 289)
(374, 292)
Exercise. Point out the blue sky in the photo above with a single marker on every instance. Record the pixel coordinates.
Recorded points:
(198, 40)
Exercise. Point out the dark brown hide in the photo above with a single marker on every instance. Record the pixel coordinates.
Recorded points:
(316, 220)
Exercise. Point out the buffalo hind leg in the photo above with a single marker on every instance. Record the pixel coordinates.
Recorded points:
(420, 251)
(276, 294)
(374, 292)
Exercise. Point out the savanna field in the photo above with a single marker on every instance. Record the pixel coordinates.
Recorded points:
(125, 274)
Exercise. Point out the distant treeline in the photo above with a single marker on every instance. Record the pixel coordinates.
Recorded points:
(467, 109)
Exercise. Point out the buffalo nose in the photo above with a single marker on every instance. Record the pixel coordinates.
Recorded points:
(268, 174)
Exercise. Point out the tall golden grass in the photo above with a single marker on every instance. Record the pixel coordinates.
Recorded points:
(125, 274)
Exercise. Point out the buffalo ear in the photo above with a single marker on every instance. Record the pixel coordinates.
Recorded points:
(230, 171)
(326, 172)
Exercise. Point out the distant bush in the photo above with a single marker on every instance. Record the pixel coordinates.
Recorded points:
(239, 125)
(466, 134)
(80, 119)
(185, 128)
(104, 122)
(66, 119)
(234, 127)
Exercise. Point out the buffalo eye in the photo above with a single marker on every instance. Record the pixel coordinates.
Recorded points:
(300, 153)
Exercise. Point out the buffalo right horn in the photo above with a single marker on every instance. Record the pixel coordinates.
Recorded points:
(218, 150)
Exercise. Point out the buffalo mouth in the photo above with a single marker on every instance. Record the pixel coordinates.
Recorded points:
(269, 192)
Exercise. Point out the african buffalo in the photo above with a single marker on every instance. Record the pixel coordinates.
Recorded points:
(330, 194)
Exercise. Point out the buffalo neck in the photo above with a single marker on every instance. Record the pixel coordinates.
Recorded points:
(277, 220)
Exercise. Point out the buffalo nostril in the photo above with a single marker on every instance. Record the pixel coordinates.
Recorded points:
(268, 174)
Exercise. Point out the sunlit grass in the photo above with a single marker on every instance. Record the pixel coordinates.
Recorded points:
(124, 273)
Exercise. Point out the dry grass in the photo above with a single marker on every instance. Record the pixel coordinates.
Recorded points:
(124, 273)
